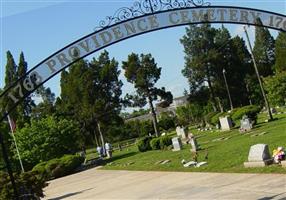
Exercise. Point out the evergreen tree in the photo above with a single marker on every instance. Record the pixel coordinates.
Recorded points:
(11, 69)
(46, 107)
(264, 49)
(200, 52)
(24, 108)
(70, 103)
(143, 73)
(10, 78)
(233, 57)
(101, 99)
(280, 52)
(90, 93)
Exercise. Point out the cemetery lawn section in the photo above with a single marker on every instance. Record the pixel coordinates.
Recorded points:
(227, 151)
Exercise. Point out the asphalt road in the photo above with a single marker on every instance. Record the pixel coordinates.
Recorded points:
(102, 184)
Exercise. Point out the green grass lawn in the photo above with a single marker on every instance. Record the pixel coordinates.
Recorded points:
(223, 156)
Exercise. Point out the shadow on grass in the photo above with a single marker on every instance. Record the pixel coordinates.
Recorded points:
(118, 157)
(69, 195)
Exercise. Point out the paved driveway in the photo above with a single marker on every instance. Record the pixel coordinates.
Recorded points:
(101, 184)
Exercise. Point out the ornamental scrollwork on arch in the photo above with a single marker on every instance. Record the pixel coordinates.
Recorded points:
(143, 7)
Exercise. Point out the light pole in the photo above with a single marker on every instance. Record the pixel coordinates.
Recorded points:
(228, 93)
(258, 76)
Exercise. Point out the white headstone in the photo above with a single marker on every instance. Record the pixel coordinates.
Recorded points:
(245, 124)
(177, 144)
(259, 152)
(178, 130)
(225, 123)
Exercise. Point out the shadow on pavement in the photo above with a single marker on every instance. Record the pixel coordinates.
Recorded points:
(69, 195)
(272, 197)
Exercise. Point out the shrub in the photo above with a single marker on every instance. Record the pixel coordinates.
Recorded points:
(215, 119)
(48, 138)
(166, 122)
(144, 144)
(58, 167)
(41, 169)
(209, 116)
(28, 182)
(251, 111)
(155, 143)
(165, 141)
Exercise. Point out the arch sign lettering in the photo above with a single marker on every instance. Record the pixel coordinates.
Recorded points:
(143, 17)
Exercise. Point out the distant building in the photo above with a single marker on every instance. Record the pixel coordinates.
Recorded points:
(145, 117)
(177, 102)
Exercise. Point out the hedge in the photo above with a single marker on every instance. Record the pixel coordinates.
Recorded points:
(251, 111)
(155, 144)
(144, 144)
(165, 141)
(58, 167)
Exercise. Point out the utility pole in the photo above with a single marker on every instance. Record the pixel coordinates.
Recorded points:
(227, 89)
(258, 76)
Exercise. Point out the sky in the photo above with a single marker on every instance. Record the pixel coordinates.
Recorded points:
(41, 27)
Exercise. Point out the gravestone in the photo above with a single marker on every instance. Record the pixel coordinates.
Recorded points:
(178, 131)
(181, 132)
(194, 145)
(177, 144)
(184, 132)
(245, 124)
(258, 156)
(225, 123)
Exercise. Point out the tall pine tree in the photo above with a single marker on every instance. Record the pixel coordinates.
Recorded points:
(264, 49)
(24, 108)
(200, 52)
(280, 52)
(10, 78)
(143, 73)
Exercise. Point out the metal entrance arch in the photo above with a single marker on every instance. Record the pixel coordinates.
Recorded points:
(143, 17)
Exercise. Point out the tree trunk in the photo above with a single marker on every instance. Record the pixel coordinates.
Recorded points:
(213, 101)
(95, 138)
(248, 92)
(219, 104)
(101, 136)
(154, 117)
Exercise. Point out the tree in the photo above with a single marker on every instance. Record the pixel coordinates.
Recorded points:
(200, 52)
(264, 49)
(11, 69)
(47, 138)
(143, 73)
(24, 109)
(276, 89)
(69, 105)
(280, 52)
(10, 78)
(102, 99)
(46, 107)
(233, 58)
(91, 94)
